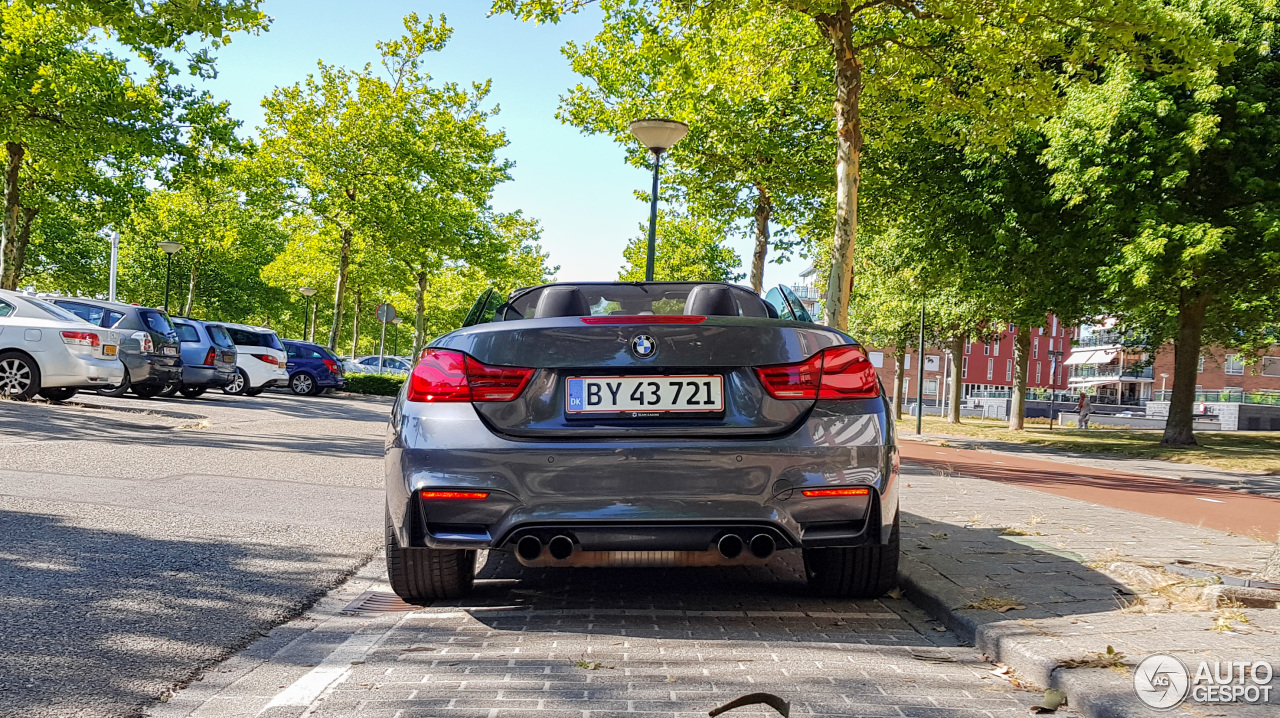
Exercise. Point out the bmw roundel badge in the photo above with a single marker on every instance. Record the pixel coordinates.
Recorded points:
(643, 346)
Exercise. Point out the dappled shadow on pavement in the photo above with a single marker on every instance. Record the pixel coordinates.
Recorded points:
(101, 623)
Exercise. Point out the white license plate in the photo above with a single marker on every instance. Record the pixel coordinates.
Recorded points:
(643, 394)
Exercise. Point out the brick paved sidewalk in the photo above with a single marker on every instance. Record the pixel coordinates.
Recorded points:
(1251, 482)
(593, 643)
(969, 541)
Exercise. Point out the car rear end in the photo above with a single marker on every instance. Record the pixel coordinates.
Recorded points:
(156, 350)
(208, 355)
(715, 435)
(260, 355)
(70, 352)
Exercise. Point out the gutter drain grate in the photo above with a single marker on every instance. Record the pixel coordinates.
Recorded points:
(378, 602)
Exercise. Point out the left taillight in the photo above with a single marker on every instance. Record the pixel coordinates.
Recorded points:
(83, 339)
(835, 373)
(448, 376)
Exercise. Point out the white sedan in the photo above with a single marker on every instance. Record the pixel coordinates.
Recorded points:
(369, 365)
(49, 351)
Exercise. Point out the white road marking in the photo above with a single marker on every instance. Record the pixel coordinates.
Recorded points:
(304, 691)
(1211, 500)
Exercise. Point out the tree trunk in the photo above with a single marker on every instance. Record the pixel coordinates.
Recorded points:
(899, 354)
(764, 208)
(1021, 362)
(191, 288)
(344, 262)
(10, 269)
(1186, 357)
(1271, 572)
(419, 318)
(838, 27)
(955, 349)
(355, 328)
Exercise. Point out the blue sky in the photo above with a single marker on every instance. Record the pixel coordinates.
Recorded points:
(580, 187)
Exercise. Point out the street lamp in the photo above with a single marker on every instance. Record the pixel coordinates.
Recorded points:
(395, 337)
(659, 136)
(1163, 376)
(307, 292)
(170, 249)
(1054, 356)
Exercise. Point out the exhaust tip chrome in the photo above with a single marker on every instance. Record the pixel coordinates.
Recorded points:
(762, 545)
(529, 548)
(561, 547)
(730, 545)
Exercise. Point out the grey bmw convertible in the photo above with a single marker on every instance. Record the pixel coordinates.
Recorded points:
(641, 424)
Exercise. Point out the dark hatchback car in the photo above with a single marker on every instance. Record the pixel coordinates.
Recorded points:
(149, 345)
(313, 368)
(661, 423)
(208, 357)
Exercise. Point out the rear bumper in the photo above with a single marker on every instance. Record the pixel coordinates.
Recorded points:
(202, 375)
(147, 371)
(72, 370)
(656, 495)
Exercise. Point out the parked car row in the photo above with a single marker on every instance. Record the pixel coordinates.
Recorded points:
(56, 346)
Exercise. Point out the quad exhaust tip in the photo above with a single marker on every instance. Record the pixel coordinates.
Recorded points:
(730, 545)
(561, 547)
(762, 545)
(529, 548)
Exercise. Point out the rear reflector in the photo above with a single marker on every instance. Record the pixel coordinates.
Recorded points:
(84, 339)
(836, 373)
(454, 495)
(816, 493)
(442, 375)
(209, 356)
(645, 319)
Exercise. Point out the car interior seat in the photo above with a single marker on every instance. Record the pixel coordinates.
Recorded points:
(562, 302)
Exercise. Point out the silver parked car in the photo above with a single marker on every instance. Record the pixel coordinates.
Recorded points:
(369, 365)
(640, 423)
(49, 351)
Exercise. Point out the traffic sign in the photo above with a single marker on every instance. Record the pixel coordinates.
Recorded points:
(386, 312)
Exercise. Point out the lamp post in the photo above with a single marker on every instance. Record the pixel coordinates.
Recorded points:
(170, 249)
(307, 292)
(659, 136)
(920, 375)
(115, 260)
(1163, 376)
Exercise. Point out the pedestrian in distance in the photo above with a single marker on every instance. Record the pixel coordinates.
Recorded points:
(1085, 407)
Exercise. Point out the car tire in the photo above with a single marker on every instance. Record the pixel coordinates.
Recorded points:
(19, 376)
(303, 384)
(119, 389)
(58, 393)
(169, 390)
(148, 391)
(421, 575)
(238, 384)
(254, 392)
(854, 572)
(192, 392)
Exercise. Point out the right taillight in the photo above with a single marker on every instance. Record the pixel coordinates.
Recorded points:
(835, 373)
(448, 376)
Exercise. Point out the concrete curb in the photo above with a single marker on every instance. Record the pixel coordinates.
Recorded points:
(1093, 693)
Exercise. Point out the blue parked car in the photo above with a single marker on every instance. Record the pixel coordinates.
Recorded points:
(313, 368)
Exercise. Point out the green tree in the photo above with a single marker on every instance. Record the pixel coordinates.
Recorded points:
(759, 159)
(689, 249)
(1183, 178)
(998, 63)
(386, 159)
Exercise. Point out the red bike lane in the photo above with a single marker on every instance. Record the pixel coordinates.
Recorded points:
(1183, 501)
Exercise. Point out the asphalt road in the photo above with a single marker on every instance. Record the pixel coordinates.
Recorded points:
(139, 548)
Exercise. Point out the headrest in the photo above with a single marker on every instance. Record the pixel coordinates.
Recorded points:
(562, 302)
(711, 300)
